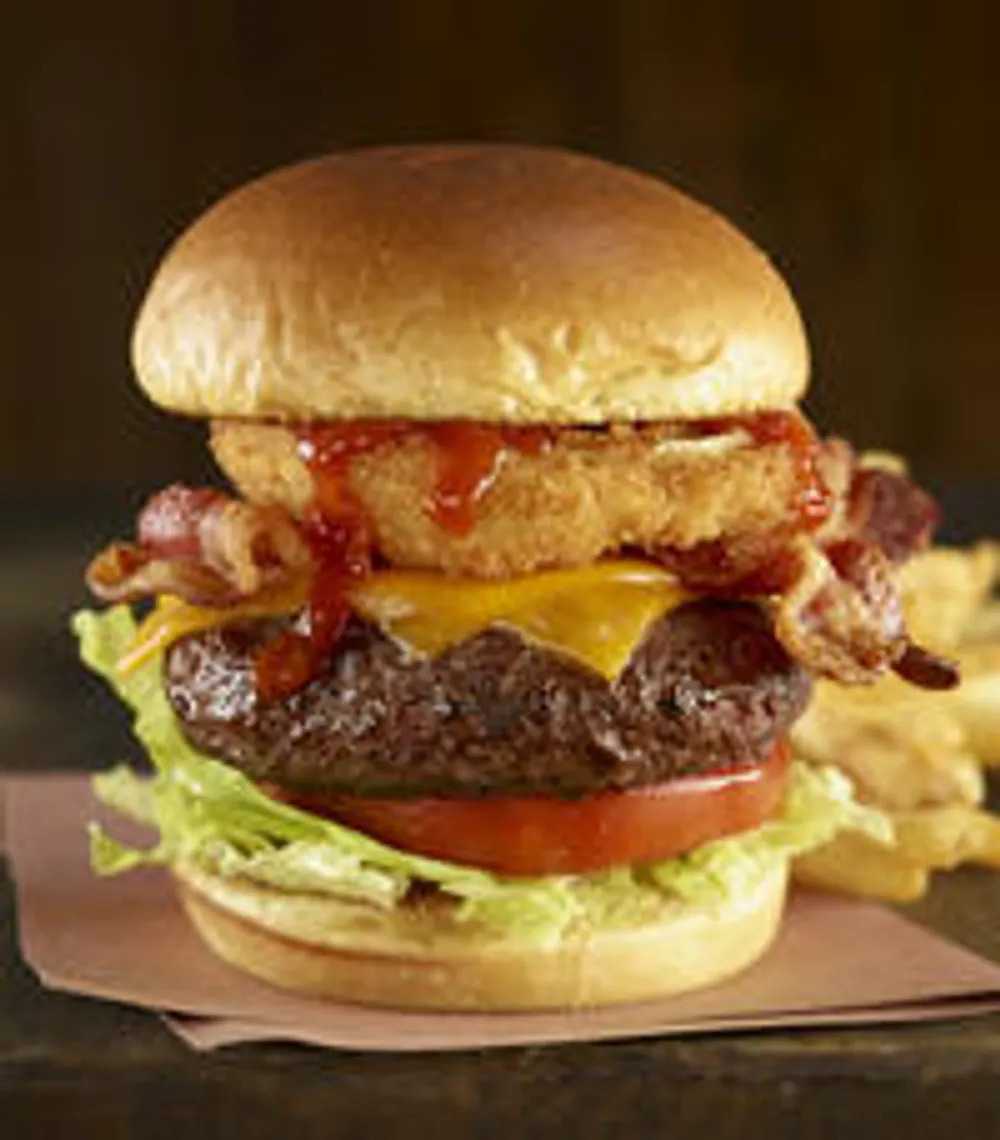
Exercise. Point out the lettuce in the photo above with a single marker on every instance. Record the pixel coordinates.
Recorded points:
(210, 814)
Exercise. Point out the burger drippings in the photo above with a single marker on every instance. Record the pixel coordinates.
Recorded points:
(342, 551)
(339, 533)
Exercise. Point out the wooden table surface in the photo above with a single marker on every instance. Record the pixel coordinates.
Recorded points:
(73, 1066)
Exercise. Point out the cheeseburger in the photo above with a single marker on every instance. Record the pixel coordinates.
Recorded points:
(473, 692)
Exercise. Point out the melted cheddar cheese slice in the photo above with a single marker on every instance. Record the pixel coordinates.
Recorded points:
(173, 619)
(596, 615)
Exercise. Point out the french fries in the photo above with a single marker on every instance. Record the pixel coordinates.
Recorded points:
(855, 864)
(900, 754)
(919, 756)
(945, 589)
(944, 837)
(930, 839)
(975, 704)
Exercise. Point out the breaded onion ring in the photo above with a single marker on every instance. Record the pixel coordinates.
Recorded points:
(590, 494)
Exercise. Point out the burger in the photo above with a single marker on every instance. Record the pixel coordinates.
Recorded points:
(473, 691)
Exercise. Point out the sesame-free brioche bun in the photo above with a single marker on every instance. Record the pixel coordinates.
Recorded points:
(487, 282)
(420, 956)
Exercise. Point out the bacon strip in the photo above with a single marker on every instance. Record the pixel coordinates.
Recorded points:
(842, 617)
(928, 670)
(889, 510)
(837, 606)
(204, 547)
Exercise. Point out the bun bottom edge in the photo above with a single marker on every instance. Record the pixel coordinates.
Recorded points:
(256, 930)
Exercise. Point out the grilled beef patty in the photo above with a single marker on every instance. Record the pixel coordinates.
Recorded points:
(709, 688)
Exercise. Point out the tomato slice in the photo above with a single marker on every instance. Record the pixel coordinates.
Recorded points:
(547, 836)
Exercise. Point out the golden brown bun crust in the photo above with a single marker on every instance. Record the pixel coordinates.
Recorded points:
(486, 282)
(421, 958)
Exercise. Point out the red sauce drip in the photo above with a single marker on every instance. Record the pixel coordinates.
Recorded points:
(338, 529)
(813, 498)
(339, 533)
(342, 549)
(469, 458)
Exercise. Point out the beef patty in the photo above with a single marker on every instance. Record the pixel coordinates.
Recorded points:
(709, 688)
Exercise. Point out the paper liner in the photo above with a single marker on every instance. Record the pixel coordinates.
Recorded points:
(207, 1033)
(837, 961)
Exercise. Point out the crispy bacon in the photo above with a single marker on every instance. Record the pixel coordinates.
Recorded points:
(842, 617)
(171, 522)
(759, 562)
(204, 547)
(889, 510)
(837, 606)
(125, 572)
(921, 667)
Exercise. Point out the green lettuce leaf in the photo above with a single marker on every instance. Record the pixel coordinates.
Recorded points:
(819, 803)
(214, 816)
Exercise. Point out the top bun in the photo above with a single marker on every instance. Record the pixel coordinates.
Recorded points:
(488, 282)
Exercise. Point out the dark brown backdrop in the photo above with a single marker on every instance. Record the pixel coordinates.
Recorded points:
(856, 141)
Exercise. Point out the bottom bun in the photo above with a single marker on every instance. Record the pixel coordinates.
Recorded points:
(418, 955)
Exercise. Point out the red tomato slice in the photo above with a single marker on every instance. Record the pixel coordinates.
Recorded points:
(548, 836)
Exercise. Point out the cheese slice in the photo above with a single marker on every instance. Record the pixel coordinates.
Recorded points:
(172, 619)
(596, 615)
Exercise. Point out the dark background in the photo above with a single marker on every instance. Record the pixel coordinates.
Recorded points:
(857, 142)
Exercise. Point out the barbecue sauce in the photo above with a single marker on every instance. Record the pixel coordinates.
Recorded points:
(468, 457)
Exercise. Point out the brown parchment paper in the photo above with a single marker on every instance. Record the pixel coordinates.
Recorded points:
(837, 961)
